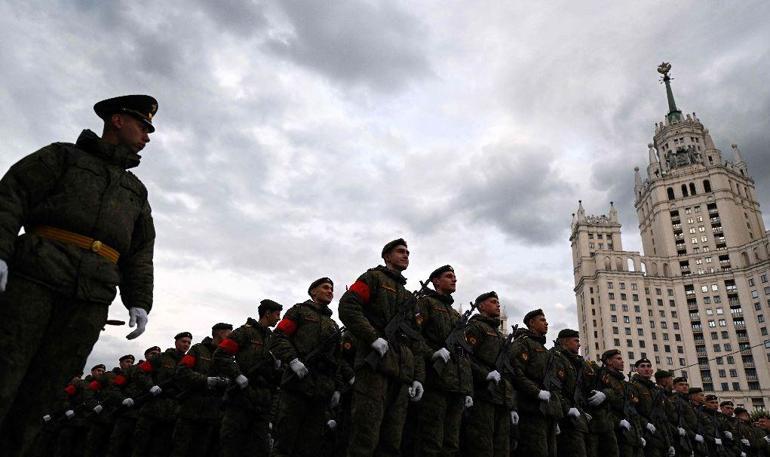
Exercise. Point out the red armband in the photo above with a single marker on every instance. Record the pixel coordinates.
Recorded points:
(361, 289)
(95, 386)
(119, 380)
(230, 346)
(70, 389)
(287, 327)
(146, 366)
(188, 361)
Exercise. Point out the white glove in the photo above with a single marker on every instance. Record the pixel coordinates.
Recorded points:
(558, 430)
(98, 409)
(3, 275)
(573, 412)
(644, 442)
(597, 398)
(514, 417)
(381, 346)
(745, 442)
(468, 401)
(588, 416)
(682, 432)
(138, 317)
(717, 441)
(215, 381)
(416, 391)
(298, 368)
(728, 434)
(625, 424)
(277, 364)
(650, 427)
(335, 399)
(47, 418)
(544, 395)
(69, 414)
(352, 381)
(442, 353)
(242, 381)
(698, 438)
(743, 454)
(494, 376)
(332, 424)
(767, 438)
(128, 402)
(156, 390)
(671, 451)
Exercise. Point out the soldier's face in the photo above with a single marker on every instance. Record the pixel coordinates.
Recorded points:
(616, 362)
(571, 344)
(698, 398)
(712, 404)
(446, 283)
(131, 131)
(397, 258)
(273, 318)
(183, 344)
(727, 410)
(125, 363)
(539, 325)
(644, 370)
(323, 293)
(221, 334)
(764, 423)
(151, 354)
(666, 383)
(743, 417)
(490, 307)
(97, 372)
(682, 387)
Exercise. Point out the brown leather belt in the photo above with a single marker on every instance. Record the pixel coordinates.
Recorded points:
(84, 242)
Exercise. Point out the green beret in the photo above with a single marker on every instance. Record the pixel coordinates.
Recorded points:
(101, 365)
(150, 349)
(641, 361)
(727, 403)
(532, 314)
(694, 390)
(126, 357)
(740, 410)
(680, 379)
(221, 326)
(440, 271)
(568, 333)
(392, 245)
(142, 107)
(661, 374)
(711, 397)
(485, 296)
(318, 282)
(609, 353)
(182, 335)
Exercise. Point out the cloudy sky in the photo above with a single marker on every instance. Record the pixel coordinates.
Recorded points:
(294, 138)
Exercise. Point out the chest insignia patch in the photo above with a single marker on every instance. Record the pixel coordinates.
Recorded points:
(525, 356)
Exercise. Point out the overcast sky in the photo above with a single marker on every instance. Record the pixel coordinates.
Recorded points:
(294, 138)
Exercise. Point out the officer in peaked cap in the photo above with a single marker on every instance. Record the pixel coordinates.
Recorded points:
(88, 227)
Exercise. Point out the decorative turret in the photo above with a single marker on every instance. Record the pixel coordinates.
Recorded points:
(653, 168)
(674, 115)
(581, 213)
(613, 212)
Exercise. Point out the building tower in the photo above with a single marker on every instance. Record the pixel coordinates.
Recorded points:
(696, 302)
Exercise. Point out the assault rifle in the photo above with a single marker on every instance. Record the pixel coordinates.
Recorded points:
(552, 384)
(313, 356)
(684, 441)
(399, 324)
(629, 412)
(503, 360)
(456, 340)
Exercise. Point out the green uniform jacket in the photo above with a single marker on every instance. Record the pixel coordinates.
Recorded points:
(532, 362)
(83, 188)
(438, 321)
(245, 352)
(304, 328)
(622, 399)
(484, 336)
(198, 401)
(101, 391)
(652, 407)
(574, 389)
(684, 417)
(160, 370)
(367, 307)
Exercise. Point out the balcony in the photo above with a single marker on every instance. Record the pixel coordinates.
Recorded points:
(704, 366)
(692, 307)
(679, 236)
(752, 378)
(702, 353)
(736, 313)
(748, 364)
(746, 351)
(699, 341)
(740, 325)
(714, 212)
(717, 230)
(676, 225)
(716, 221)
(706, 378)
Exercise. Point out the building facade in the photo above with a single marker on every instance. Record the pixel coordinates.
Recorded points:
(696, 302)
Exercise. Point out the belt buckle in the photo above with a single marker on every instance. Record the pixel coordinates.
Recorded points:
(96, 246)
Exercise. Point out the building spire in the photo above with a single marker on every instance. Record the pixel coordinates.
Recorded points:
(674, 115)
(737, 154)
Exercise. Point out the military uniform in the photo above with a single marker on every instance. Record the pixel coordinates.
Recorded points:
(487, 425)
(380, 394)
(622, 399)
(155, 426)
(602, 440)
(72, 434)
(197, 428)
(652, 408)
(100, 393)
(685, 423)
(128, 384)
(87, 228)
(532, 365)
(303, 404)
(715, 439)
(245, 428)
(342, 414)
(573, 439)
(440, 411)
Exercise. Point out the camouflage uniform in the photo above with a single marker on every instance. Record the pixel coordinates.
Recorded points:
(601, 438)
(440, 411)
(101, 392)
(197, 428)
(572, 441)
(622, 399)
(652, 408)
(532, 364)
(72, 434)
(487, 425)
(712, 426)
(342, 413)
(127, 385)
(155, 426)
(683, 418)
(57, 295)
(245, 428)
(304, 402)
(365, 309)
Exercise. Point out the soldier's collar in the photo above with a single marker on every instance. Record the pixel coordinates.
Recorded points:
(395, 275)
(441, 297)
(317, 307)
(120, 155)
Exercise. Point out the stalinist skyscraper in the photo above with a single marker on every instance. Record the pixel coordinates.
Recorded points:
(697, 301)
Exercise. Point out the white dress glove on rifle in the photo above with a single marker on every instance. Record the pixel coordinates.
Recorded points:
(468, 401)
(381, 346)
(47, 418)
(156, 390)
(682, 432)
(128, 402)
(443, 354)
(573, 412)
(596, 398)
(698, 438)
(717, 441)
(625, 424)
(671, 451)
(494, 376)
(514, 417)
(558, 430)
(298, 368)
(69, 414)
(416, 391)
(728, 434)
(331, 424)
(98, 409)
(644, 442)
(335, 399)
(3, 275)
(743, 454)
(745, 442)
(138, 317)
(650, 427)
(242, 381)
(544, 395)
